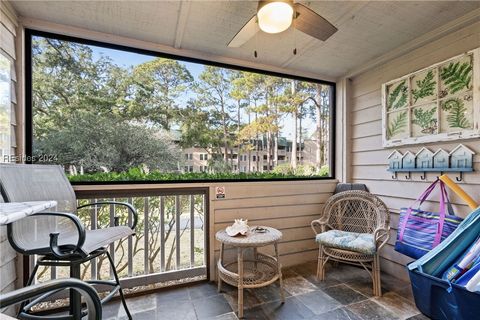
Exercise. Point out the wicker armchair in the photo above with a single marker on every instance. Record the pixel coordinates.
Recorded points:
(353, 228)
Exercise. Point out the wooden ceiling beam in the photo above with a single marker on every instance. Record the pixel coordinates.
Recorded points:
(183, 14)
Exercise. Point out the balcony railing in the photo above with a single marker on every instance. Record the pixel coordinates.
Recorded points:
(169, 244)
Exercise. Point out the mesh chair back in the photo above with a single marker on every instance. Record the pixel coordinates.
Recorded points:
(30, 182)
(356, 211)
(19, 183)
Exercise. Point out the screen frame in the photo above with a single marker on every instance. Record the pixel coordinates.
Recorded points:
(30, 33)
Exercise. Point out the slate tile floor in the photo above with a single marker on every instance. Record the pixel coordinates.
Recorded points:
(346, 294)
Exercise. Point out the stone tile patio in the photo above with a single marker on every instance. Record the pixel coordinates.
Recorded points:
(346, 294)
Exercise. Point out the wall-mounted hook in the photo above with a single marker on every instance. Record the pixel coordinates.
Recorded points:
(441, 174)
(423, 176)
(409, 175)
(460, 178)
(394, 176)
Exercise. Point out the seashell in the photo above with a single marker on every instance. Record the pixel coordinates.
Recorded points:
(239, 227)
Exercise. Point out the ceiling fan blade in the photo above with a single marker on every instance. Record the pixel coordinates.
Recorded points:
(246, 33)
(313, 24)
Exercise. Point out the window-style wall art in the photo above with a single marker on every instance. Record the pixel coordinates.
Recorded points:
(438, 103)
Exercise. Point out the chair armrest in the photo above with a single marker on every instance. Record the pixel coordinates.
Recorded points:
(318, 223)
(128, 205)
(92, 299)
(54, 248)
(381, 236)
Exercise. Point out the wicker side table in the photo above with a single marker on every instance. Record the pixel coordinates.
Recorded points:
(256, 272)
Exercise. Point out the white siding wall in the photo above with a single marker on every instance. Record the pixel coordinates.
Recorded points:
(8, 26)
(369, 158)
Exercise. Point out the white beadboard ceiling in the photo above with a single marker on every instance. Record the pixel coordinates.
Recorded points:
(366, 29)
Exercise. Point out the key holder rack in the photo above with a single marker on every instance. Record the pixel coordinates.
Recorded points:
(459, 160)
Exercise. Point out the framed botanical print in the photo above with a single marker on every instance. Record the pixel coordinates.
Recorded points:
(437, 103)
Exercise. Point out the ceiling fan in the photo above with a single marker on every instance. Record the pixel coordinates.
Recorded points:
(275, 16)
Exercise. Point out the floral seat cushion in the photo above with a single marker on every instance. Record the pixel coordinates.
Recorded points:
(352, 241)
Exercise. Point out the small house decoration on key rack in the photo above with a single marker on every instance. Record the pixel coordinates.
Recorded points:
(440, 159)
(395, 160)
(424, 158)
(459, 160)
(408, 160)
(461, 157)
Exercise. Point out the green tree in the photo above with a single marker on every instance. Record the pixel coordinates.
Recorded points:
(157, 86)
(213, 90)
(292, 101)
(318, 97)
(239, 92)
(253, 85)
(102, 143)
(66, 77)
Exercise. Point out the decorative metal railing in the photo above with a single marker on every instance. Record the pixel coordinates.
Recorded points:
(169, 244)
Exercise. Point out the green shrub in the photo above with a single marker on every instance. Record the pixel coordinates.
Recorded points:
(137, 174)
(284, 168)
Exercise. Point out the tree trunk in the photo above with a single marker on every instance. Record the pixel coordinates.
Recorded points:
(275, 145)
(293, 160)
(326, 126)
(275, 151)
(318, 155)
(256, 141)
(238, 132)
(300, 149)
(269, 150)
(249, 148)
(225, 134)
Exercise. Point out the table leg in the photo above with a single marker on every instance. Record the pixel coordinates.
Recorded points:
(240, 281)
(218, 271)
(75, 297)
(280, 278)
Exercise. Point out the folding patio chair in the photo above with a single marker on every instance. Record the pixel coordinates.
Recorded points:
(59, 237)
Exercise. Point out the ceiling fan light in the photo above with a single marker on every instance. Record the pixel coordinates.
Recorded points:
(275, 16)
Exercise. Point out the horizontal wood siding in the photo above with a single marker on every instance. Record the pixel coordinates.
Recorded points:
(8, 26)
(287, 206)
(369, 158)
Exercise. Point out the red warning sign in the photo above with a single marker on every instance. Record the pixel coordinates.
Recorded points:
(220, 192)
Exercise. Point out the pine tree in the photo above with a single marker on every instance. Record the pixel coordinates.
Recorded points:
(456, 113)
(425, 87)
(457, 76)
(397, 125)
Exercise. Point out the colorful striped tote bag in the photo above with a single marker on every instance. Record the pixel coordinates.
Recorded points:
(420, 231)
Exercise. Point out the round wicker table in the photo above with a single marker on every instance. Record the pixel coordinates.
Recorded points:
(258, 271)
